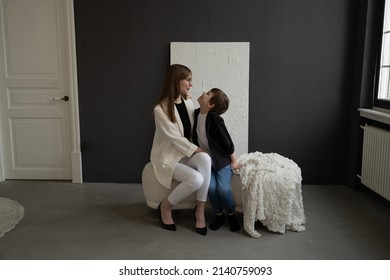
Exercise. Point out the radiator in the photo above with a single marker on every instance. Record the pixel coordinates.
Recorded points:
(376, 160)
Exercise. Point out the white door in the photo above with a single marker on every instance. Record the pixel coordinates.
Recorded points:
(33, 90)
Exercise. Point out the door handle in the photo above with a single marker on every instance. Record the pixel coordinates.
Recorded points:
(65, 98)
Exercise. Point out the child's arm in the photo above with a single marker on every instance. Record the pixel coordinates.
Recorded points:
(225, 142)
(234, 162)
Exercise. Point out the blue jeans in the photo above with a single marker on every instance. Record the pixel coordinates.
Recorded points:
(220, 192)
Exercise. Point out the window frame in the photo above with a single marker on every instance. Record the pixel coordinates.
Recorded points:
(381, 103)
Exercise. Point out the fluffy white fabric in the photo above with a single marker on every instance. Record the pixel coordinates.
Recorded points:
(11, 213)
(271, 193)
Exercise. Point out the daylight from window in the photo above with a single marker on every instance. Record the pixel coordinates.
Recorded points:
(384, 78)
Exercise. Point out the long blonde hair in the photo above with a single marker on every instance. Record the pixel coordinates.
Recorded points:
(170, 90)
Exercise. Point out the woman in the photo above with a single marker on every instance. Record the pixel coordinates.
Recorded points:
(173, 156)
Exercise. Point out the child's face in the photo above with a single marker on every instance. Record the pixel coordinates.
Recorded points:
(204, 99)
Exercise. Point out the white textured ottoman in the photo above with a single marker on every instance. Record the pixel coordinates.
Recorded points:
(155, 193)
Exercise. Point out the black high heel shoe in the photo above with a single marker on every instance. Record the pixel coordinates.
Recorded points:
(203, 230)
(171, 227)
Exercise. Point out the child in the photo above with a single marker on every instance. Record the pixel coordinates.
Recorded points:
(210, 134)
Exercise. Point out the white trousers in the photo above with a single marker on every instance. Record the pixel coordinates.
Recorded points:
(194, 174)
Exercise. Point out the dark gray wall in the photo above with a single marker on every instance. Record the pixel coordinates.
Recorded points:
(367, 51)
(302, 56)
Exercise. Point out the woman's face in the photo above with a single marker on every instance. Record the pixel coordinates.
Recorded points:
(185, 85)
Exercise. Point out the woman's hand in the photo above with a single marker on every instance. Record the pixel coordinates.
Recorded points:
(201, 150)
(186, 96)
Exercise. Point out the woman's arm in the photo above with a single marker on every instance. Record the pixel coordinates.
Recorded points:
(172, 132)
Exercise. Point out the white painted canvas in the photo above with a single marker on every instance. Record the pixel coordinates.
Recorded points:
(224, 66)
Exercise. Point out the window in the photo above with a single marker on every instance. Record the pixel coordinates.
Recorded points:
(382, 98)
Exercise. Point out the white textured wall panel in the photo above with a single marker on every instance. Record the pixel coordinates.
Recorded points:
(224, 66)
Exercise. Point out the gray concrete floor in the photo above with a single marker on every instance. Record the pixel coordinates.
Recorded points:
(111, 221)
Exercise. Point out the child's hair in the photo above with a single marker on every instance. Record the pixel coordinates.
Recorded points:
(220, 101)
